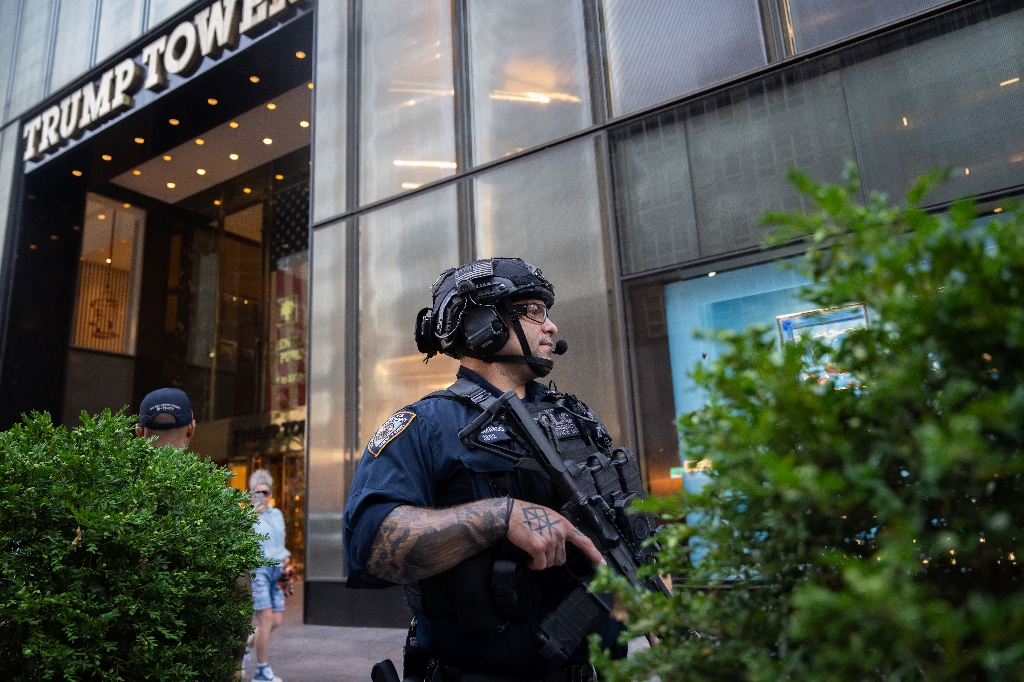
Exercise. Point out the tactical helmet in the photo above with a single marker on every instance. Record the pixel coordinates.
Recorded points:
(468, 307)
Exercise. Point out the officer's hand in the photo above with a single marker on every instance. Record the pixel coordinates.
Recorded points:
(542, 532)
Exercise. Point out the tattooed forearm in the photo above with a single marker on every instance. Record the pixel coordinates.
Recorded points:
(414, 543)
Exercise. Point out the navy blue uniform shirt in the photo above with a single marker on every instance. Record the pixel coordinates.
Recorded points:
(417, 459)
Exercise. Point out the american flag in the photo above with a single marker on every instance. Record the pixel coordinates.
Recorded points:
(286, 388)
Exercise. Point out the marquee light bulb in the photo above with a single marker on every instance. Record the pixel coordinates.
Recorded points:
(267, 140)
(212, 102)
(271, 106)
(173, 121)
(171, 185)
(233, 157)
(200, 171)
(167, 157)
(254, 79)
(139, 140)
(304, 124)
(233, 124)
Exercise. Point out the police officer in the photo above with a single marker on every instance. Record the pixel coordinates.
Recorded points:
(451, 523)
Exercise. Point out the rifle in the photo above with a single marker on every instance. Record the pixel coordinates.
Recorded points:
(601, 514)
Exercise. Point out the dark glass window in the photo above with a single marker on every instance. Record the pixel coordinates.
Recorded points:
(660, 49)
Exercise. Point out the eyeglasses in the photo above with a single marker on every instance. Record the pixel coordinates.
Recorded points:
(535, 312)
(260, 492)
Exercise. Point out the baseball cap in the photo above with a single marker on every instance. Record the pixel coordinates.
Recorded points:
(172, 401)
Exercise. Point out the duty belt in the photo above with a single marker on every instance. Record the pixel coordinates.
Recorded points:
(438, 671)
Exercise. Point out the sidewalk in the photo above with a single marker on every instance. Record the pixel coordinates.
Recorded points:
(322, 653)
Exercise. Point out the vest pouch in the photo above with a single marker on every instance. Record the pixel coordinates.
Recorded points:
(464, 591)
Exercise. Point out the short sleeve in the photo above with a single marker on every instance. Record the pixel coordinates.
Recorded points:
(396, 469)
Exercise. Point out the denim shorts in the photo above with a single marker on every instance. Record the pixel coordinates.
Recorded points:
(265, 592)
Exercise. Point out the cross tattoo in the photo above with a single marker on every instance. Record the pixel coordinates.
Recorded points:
(538, 520)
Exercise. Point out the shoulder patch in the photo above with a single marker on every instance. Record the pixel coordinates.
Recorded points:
(389, 430)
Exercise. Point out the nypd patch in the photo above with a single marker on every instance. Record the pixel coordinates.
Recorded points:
(389, 430)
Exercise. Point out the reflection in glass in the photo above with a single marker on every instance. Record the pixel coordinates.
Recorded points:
(109, 276)
(402, 250)
(653, 193)
(8, 151)
(941, 102)
(817, 22)
(529, 74)
(407, 127)
(331, 141)
(330, 453)
(545, 209)
(728, 157)
(120, 24)
(73, 42)
(30, 58)
(660, 49)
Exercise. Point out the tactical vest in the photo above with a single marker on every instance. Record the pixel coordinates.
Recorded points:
(488, 590)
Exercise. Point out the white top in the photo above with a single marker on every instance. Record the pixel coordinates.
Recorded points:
(271, 523)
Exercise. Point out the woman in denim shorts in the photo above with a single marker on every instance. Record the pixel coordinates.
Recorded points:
(267, 596)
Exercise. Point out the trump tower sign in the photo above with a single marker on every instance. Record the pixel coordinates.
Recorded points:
(164, 63)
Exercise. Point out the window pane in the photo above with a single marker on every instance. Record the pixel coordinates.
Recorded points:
(545, 209)
(742, 147)
(8, 149)
(330, 454)
(329, 129)
(30, 62)
(402, 250)
(660, 49)
(943, 102)
(120, 21)
(529, 74)
(407, 126)
(109, 277)
(159, 10)
(74, 40)
(817, 22)
(653, 195)
(8, 8)
(732, 151)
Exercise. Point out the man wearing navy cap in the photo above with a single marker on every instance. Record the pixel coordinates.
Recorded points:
(166, 415)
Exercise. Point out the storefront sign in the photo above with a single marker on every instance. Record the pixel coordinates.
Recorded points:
(180, 52)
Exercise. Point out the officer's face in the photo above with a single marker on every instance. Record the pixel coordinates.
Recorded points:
(540, 335)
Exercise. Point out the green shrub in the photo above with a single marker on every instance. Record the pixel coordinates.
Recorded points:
(859, 534)
(119, 560)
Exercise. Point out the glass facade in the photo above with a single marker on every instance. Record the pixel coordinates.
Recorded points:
(629, 150)
(407, 125)
(656, 51)
(529, 83)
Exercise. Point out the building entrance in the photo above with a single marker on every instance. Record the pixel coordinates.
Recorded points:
(172, 250)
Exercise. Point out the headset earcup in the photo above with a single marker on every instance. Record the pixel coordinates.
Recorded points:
(424, 334)
(483, 329)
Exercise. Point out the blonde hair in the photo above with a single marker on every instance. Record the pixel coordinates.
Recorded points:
(261, 476)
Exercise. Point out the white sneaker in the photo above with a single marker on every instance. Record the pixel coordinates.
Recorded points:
(266, 674)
